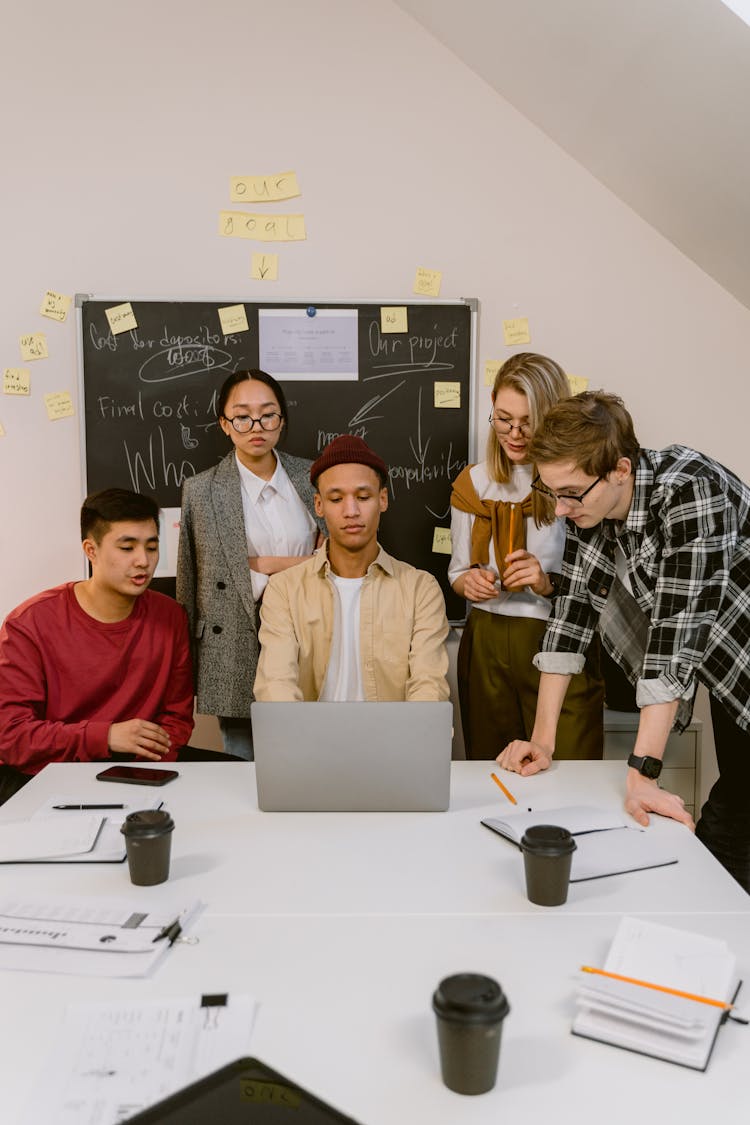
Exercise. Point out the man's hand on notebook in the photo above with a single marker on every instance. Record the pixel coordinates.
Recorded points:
(524, 757)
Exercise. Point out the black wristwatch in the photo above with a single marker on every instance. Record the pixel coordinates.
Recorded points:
(649, 767)
(554, 581)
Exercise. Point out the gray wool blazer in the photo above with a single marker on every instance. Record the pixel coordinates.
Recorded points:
(213, 583)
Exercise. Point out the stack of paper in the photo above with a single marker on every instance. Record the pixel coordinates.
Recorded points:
(25, 841)
(606, 844)
(109, 845)
(695, 981)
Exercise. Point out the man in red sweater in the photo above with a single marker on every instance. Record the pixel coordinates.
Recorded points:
(99, 668)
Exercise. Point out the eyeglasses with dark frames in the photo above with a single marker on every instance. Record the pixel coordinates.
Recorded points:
(566, 497)
(505, 426)
(243, 423)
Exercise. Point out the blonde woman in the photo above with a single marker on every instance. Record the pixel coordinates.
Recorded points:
(507, 556)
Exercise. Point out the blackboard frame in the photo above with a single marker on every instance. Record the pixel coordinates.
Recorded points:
(459, 423)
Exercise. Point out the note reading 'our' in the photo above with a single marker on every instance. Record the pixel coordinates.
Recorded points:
(262, 228)
(393, 318)
(516, 331)
(491, 368)
(578, 384)
(263, 189)
(265, 267)
(447, 396)
(121, 318)
(59, 405)
(34, 346)
(233, 319)
(427, 282)
(55, 305)
(441, 541)
(16, 381)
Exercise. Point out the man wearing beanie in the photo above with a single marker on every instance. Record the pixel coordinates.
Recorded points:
(352, 623)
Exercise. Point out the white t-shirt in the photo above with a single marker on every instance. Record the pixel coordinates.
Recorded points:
(343, 682)
(276, 520)
(546, 543)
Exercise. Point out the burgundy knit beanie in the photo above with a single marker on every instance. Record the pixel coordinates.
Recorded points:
(347, 449)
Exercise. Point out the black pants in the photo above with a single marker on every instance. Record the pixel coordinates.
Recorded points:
(724, 826)
(11, 780)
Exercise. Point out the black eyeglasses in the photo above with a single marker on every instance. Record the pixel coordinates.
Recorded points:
(243, 423)
(505, 426)
(564, 496)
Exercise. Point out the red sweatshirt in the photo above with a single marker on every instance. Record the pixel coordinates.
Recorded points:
(65, 677)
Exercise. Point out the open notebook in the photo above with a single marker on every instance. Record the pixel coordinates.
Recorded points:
(606, 843)
(650, 1021)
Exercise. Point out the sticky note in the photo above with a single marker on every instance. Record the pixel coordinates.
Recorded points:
(55, 305)
(578, 383)
(34, 346)
(516, 331)
(427, 282)
(263, 189)
(59, 405)
(233, 319)
(441, 541)
(447, 395)
(265, 267)
(263, 228)
(2, 430)
(491, 368)
(121, 318)
(16, 381)
(393, 318)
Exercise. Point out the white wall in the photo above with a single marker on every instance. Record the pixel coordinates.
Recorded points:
(122, 125)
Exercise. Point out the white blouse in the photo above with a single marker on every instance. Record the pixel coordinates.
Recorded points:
(546, 543)
(276, 520)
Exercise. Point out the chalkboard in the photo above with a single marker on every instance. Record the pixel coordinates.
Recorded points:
(149, 394)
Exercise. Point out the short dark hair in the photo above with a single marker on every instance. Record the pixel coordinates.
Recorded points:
(261, 377)
(113, 505)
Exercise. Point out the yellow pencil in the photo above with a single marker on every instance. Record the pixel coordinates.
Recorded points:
(658, 987)
(507, 792)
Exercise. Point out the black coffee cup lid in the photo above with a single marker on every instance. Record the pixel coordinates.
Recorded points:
(147, 822)
(470, 997)
(547, 839)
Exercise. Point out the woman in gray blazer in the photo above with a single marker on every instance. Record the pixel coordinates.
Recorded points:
(246, 518)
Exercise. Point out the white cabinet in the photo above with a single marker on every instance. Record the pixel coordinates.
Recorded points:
(682, 758)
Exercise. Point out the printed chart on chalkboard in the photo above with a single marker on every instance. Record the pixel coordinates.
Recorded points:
(398, 375)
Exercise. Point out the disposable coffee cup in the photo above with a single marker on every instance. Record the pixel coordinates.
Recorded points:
(547, 857)
(470, 1010)
(148, 842)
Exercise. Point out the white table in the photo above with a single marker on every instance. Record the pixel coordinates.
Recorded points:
(243, 861)
(342, 925)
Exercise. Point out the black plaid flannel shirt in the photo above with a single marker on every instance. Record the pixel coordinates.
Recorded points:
(687, 544)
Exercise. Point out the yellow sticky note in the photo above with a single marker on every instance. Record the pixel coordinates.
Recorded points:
(34, 346)
(2, 430)
(233, 319)
(427, 282)
(55, 305)
(121, 318)
(441, 541)
(59, 405)
(447, 395)
(516, 331)
(393, 318)
(578, 383)
(265, 267)
(263, 189)
(16, 381)
(262, 228)
(491, 368)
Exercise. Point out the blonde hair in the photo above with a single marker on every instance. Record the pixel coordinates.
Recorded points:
(544, 383)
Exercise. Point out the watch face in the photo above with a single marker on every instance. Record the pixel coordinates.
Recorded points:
(651, 768)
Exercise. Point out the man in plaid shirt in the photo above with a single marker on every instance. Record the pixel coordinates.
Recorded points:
(657, 559)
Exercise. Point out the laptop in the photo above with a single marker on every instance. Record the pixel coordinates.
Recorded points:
(352, 757)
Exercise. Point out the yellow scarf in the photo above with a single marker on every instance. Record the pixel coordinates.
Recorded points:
(503, 521)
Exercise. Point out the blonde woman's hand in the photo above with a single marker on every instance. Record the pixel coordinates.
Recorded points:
(522, 569)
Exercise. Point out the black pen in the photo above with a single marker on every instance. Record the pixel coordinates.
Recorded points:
(171, 931)
(78, 808)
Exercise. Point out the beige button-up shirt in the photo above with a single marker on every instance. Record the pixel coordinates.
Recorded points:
(403, 630)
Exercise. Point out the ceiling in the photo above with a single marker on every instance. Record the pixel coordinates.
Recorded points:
(651, 96)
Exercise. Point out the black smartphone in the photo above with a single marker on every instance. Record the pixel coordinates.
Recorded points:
(137, 775)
